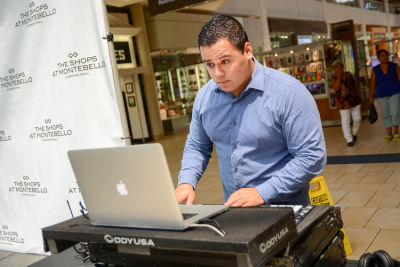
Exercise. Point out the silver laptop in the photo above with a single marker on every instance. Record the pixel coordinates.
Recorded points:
(131, 186)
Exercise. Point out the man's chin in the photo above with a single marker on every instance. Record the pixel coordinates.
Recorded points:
(225, 87)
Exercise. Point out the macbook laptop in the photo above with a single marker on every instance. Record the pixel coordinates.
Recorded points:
(131, 186)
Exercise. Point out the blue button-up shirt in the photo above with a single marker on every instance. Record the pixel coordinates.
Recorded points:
(269, 137)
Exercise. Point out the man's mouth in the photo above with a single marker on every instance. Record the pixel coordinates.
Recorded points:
(223, 83)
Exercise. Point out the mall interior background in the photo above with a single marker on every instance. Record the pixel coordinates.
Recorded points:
(160, 67)
(160, 72)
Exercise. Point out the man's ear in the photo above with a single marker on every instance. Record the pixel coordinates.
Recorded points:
(248, 50)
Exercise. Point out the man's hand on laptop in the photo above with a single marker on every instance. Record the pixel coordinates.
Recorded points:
(185, 193)
(245, 197)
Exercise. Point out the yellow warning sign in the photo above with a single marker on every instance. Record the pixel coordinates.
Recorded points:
(319, 195)
(320, 200)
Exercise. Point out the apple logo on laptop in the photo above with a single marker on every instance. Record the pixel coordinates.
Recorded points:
(121, 188)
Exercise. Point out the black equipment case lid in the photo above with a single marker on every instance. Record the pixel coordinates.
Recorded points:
(258, 232)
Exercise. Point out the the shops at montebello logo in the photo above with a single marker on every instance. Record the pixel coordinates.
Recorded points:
(35, 14)
(71, 55)
(77, 65)
(9, 235)
(27, 186)
(50, 131)
(14, 80)
(4, 137)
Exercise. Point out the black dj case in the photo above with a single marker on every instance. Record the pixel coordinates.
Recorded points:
(253, 237)
(334, 255)
(315, 233)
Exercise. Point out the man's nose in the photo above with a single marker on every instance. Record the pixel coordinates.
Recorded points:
(219, 72)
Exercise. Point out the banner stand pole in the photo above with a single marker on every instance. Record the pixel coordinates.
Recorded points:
(118, 92)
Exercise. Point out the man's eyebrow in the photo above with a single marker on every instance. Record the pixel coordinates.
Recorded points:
(221, 57)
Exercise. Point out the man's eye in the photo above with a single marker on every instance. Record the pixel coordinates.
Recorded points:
(225, 61)
(210, 65)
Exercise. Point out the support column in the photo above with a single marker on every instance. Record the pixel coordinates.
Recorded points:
(364, 29)
(264, 25)
(328, 26)
(389, 35)
(150, 89)
(365, 37)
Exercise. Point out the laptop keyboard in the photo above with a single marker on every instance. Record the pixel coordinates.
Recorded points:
(188, 215)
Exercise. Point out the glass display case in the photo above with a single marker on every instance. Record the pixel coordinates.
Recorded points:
(179, 77)
(177, 88)
(305, 63)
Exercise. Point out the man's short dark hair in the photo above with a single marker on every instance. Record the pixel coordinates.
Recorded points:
(223, 27)
(382, 51)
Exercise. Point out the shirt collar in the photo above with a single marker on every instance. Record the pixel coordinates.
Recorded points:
(256, 79)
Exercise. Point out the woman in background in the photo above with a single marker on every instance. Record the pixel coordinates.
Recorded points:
(347, 100)
(385, 79)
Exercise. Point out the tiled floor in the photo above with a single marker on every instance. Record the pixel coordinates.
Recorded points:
(369, 194)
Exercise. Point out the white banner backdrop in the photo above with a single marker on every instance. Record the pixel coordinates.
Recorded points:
(56, 93)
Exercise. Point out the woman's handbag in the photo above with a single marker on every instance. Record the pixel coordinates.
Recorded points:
(373, 115)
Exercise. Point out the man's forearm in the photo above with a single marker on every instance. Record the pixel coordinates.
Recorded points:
(293, 177)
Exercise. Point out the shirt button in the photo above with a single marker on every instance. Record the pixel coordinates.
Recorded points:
(235, 170)
(234, 146)
(234, 123)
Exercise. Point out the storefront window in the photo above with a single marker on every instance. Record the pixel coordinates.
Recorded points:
(379, 36)
(360, 36)
(279, 40)
(305, 63)
(394, 7)
(317, 37)
(179, 76)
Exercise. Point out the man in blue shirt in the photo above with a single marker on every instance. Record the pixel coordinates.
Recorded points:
(264, 124)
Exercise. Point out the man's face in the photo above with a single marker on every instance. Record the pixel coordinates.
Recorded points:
(228, 67)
